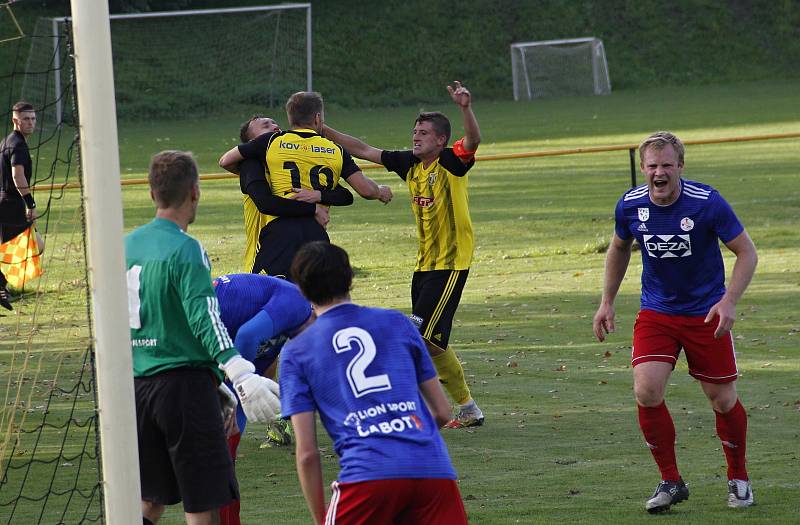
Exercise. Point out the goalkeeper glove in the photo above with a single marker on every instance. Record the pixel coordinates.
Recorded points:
(259, 395)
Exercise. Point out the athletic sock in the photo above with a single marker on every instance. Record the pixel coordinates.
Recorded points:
(732, 431)
(451, 374)
(659, 433)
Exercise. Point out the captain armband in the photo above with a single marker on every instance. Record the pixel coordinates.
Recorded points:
(461, 153)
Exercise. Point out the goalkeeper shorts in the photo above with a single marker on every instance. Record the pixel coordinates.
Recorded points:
(183, 453)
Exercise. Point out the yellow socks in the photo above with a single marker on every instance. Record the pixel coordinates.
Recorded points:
(451, 375)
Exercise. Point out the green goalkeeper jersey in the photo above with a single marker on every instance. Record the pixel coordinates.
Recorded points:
(174, 313)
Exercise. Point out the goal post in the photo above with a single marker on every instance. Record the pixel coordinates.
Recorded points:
(106, 262)
(163, 63)
(572, 66)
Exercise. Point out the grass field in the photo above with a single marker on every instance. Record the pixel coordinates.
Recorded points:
(561, 442)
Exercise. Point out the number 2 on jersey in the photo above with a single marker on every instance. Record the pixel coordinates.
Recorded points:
(357, 339)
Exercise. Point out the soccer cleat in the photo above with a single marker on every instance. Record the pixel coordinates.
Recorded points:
(472, 417)
(740, 493)
(279, 434)
(5, 298)
(667, 493)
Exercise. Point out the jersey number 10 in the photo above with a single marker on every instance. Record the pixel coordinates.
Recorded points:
(313, 176)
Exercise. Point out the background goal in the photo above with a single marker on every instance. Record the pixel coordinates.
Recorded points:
(547, 68)
(188, 64)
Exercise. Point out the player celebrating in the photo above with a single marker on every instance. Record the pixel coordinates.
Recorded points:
(684, 305)
(368, 374)
(260, 313)
(299, 159)
(260, 205)
(437, 180)
(180, 349)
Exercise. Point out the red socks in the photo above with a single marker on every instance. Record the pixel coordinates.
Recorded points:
(659, 433)
(732, 431)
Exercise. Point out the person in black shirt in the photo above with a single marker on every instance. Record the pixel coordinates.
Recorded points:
(16, 199)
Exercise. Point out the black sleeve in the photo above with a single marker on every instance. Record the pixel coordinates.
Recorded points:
(349, 166)
(270, 204)
(338, 196)
(256, 148)
(399, 162)
(453, 164)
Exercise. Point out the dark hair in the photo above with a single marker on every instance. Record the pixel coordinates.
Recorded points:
(302, 107)
(322, 271)
(23, 106)
(439, 121)
(172, 176)
(246, 127)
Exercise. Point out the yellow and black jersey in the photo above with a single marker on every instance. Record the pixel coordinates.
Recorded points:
(254, 221)
(440, 202)
(299, 158)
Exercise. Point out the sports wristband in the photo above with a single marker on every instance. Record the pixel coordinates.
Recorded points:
(29, 202)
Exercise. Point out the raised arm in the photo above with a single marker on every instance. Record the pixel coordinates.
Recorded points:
(617, 259)
(743, 270)
(356, 147)
(463, 99)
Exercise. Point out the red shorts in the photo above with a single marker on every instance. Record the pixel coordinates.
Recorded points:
(396, 501)
(660, 337)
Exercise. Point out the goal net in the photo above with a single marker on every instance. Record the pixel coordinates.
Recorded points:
(566, 67)
(195, 64)
(49, 460)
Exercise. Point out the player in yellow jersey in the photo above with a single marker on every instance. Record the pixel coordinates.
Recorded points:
(437, 180)
(300, 164)
(258, 202)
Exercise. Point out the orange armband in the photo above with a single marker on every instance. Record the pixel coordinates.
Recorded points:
(461, 153)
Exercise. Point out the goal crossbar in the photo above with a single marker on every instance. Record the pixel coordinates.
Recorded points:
(187, 12)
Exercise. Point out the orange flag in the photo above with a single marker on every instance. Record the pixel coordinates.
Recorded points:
(20, 259)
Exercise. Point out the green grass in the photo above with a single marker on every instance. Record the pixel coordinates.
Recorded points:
(561, 443)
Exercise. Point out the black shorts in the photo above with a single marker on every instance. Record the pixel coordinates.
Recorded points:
(13, 220)
(183, 453)
(280, 240)
(434, 300)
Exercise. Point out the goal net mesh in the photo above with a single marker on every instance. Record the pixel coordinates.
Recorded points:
(566, 68)
(49, 460)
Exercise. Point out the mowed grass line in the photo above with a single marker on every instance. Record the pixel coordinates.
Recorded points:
(561, 443)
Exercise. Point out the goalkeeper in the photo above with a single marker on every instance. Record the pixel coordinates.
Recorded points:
(180, 351)
(260, 313)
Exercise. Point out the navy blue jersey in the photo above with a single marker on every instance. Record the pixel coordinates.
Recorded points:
(360, 368)
(683, 271)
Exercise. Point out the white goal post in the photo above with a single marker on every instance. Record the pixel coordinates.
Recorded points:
(275, 58)
(572, 66)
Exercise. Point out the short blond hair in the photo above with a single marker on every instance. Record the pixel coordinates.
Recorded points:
(659, 140)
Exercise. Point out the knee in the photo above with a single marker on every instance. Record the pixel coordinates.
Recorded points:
(152, 511)
(723, 403)
(648, 395)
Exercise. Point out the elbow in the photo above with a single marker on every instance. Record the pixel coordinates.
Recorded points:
(306, 458)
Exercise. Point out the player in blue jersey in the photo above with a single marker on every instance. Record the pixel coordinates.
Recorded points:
(369, 375)
(260, 313)
(685, 306)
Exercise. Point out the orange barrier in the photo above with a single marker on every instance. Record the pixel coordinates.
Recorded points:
(631, 148)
